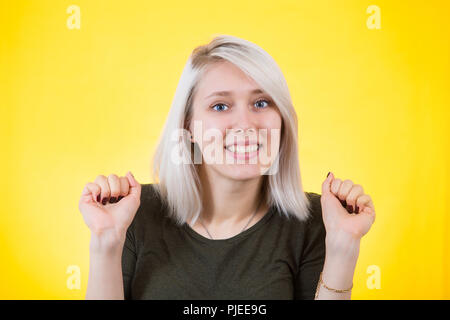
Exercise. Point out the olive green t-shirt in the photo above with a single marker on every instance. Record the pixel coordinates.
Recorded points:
(276, 258)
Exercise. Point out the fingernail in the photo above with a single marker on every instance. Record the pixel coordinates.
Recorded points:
(356, 209)
(98, 198)
(104, 201)
(344, 203)
(350, 208)
(120, 197)
(112, 200)
(328, 174)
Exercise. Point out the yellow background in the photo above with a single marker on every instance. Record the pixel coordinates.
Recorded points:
(373, 107)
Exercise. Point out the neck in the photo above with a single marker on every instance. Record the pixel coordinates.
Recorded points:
(228, 201)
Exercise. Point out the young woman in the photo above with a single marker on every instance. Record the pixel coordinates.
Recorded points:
(223, 221)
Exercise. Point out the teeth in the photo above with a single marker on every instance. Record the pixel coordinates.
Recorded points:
(243, 149)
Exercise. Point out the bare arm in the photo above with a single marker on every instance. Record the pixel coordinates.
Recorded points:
(108, 222)
(338, 270)
(105, 270)
(344, 229)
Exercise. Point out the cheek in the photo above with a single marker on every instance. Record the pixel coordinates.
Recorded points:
(272, 123)
(210, 131)
(273, 120)
(211, 125)
(272, 137)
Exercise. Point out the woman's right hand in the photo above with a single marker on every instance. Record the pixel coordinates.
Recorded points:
(108, 206)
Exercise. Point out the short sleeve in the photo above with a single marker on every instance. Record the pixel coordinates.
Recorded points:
(129, 258)
(313, 255)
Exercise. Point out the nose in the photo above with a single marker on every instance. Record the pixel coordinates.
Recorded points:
(245, 121)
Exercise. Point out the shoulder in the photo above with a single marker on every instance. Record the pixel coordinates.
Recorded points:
(315, 210)
(312, 196)
(149, 194)
(147, 219)
(313, 221)
(315, 207)
(315, 232)
(151, 206)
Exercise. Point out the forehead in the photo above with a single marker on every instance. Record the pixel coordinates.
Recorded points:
(225, 76)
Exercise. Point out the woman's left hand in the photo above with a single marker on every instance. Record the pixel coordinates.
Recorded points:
(346, 210)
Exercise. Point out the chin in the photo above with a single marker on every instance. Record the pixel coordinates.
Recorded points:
(241, 172)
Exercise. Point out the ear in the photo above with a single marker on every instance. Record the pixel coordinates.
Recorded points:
(187, 124)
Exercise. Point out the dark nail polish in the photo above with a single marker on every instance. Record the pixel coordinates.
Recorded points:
(120, 197)
(112, 200)
(98, 198)
(328, 174)
(344, 203)
(350, 209)
(356, 209)
(104, 201)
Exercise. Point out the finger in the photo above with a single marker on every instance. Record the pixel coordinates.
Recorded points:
(102, 181)
(363, 201)
(354, 193)
(135, 187)
(344, 189)
(90, 192)
(335, 185)
(326, 185)
(124, 187)
(370, 211)
(364, 220)
(114, 185)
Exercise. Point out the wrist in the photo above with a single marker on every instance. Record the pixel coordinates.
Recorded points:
(341, 256)
(342, 246)
(338, 272)
(107, 243)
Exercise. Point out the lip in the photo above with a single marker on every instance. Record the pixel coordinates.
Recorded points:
(246, 155)
(243, 143)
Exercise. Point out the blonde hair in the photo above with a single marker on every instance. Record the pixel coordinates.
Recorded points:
(179, 186)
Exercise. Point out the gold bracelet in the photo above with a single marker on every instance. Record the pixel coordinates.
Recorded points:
(331, 289)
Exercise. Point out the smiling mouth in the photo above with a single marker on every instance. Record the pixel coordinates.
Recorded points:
(239, 149)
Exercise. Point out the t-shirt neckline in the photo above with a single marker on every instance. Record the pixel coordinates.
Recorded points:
(234, 238)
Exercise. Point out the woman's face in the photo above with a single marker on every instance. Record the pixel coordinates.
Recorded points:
(238, 132)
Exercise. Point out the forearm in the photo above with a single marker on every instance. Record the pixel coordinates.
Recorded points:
(105, 272)
(339, 267)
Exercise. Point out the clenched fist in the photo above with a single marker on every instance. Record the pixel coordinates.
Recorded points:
(108, 206)
(346, 209)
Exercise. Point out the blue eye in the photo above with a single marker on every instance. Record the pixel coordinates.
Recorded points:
(219, 104)
(224, 105)
(262, 100)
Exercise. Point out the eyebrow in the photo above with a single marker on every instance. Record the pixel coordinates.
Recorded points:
(228, 93)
